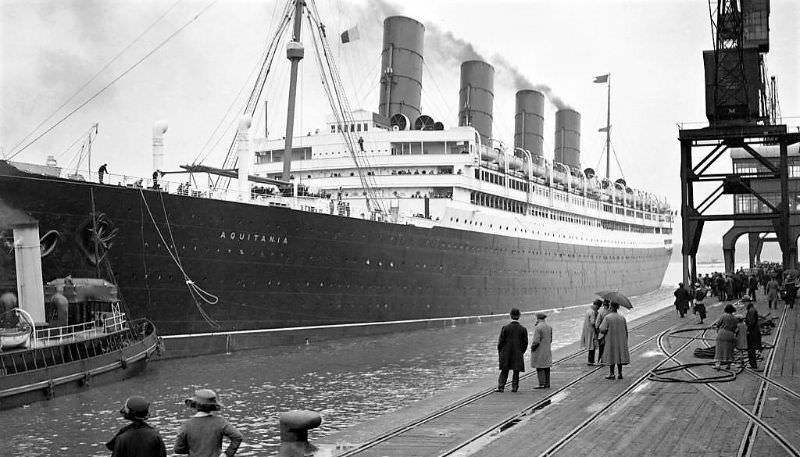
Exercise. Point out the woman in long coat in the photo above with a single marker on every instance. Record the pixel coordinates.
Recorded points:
(726, 337)
(615, 329)
(589, 334)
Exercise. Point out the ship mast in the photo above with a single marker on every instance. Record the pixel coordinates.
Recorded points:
(608, 130)
(294, 52)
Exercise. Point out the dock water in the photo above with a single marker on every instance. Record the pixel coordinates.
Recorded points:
(584, 414)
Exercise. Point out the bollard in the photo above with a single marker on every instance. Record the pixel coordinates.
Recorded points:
(294, 426)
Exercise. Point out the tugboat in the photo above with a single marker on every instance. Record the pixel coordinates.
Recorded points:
(71, 335)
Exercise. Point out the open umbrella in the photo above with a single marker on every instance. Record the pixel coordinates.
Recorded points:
(616, 297)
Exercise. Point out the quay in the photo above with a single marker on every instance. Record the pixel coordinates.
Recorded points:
(584, 414)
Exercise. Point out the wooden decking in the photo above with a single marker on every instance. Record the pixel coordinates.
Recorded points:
(584, 414)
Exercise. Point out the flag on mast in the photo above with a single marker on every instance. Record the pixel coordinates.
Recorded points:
(602, 78)
(604, 129)
(350, 35)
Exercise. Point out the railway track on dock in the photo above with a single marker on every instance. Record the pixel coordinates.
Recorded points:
(508, 421)
(754, 416)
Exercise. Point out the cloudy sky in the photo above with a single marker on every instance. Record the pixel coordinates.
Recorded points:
(652, 48)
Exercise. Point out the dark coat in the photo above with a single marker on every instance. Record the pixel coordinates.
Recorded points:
(137, 439)
(682, 299)
(512, 345)
(753, 329)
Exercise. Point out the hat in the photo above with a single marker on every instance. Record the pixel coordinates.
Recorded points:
(205, 399)
(514, 313)
(597, 302)
(541, 316)
(135, 408)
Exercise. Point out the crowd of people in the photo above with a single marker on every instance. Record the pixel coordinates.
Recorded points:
(200, 436)
(605, 332)
(738, 329)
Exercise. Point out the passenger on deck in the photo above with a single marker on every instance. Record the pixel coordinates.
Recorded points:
(615, 329)
(137, 438)
(101, 172)
(511, 347)
(726, 338)
(202, 434)
(541, 355)
(589, 333)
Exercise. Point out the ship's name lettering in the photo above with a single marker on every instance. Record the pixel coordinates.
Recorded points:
(255, 237)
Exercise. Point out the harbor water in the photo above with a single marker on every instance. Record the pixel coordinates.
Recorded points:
(348, 381)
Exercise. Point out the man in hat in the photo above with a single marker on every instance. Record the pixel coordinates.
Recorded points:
(753, 332)
(137, 439)
(541, 356)
(510, 347)
(201, 435)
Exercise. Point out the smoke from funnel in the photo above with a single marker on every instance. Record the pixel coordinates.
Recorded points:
(521, 82)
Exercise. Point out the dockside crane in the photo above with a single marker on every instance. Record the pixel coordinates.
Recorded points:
(742, 112)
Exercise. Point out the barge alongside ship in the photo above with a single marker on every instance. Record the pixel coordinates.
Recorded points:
(442, 223)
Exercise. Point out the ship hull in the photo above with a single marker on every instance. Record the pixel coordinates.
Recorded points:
(271, 267)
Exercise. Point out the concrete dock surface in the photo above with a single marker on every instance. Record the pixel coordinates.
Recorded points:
(748, 413)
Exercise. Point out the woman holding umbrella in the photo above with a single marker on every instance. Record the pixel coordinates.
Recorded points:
(615, 329)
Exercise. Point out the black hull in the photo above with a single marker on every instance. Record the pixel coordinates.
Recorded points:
(55, 379)
(273, 267)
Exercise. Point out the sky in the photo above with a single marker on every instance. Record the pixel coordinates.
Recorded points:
(196, 80)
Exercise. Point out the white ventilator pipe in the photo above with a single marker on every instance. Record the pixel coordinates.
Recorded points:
(28, 257)
(245, 156)
(159, 129)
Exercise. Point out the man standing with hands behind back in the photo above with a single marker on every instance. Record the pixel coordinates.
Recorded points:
(511, 346)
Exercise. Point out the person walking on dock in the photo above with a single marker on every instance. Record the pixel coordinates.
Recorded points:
(601, 340)
(752, 286)
(201, 435)
(101, 172)
(541, 355)
(726, 338)
(699, 302)
(682, 299)
(772, 293)
(511, 347)
(137, 439)
(753, 333)
(589, 333)
(615, 329)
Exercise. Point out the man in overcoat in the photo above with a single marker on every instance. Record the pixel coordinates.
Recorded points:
(753, 333)
(541, 356)
(511, 346)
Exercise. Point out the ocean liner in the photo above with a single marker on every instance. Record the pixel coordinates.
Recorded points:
(378, 217)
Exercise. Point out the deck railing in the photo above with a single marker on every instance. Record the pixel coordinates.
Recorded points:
(58, 335)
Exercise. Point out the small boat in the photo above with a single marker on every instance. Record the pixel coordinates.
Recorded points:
(16, 337)
(88, 341)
